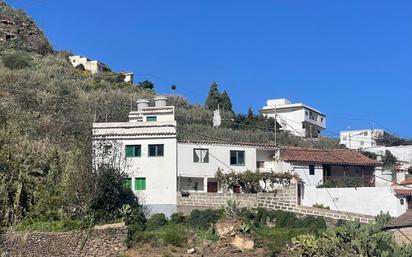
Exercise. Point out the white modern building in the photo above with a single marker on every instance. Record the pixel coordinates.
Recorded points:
(90, 65)
(297, 118)
(360, 139)
(145, 148)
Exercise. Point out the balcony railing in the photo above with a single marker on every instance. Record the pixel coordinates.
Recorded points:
(333, 182)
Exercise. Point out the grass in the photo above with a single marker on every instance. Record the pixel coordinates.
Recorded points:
(49, 226)
(277, 238)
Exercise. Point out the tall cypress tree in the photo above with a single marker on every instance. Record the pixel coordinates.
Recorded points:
(213, 98)
(225, 102)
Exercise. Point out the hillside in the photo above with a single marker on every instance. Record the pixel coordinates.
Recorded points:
(19, 32)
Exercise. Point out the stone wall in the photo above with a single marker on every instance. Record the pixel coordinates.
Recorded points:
(402, 236)
(282, 199)
(106, 240)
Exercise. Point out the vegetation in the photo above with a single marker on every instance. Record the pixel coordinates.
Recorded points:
(253, 182)
(392, 140)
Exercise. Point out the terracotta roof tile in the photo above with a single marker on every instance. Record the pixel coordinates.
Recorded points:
(321, 156)
(405, 220)
(228, 143)
(407, 181)
(403, 191)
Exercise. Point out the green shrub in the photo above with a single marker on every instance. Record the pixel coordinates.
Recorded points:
(156, 221)
(49, 226)
(172, 234)
(177, 218)
(313, 224)
(203, 219)
(320, 206)
(16, 60)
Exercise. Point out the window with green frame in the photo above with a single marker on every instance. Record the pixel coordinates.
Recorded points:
(127, 183)
(133, 150)
(151, 118)
(140, 184)
(156, 150)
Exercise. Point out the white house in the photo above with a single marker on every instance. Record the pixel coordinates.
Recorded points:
(360, 139)
(297, 118)
(90, 65)
(403, 154)
(145, 148)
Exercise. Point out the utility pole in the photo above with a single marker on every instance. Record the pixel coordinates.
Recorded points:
(276, 131)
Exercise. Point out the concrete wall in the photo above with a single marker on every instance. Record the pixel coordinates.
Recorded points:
(107, 240)
(217, 155)
(363, 200)
(302, 170)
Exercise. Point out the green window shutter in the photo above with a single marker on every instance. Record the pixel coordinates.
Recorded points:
(151, 118)
(129, 151)
(127, 183)
(140, 184)
(138, 151)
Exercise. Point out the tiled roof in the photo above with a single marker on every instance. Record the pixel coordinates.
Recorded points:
(405, 191)
(228, 143)
(321, 156)
(405, 220)
(407, 181)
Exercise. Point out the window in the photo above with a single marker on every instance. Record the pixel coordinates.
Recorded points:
(201, 155)
(237, 158)
(311, 169)
(344, 138)
(133, 150)
(156, 150)
(362, 143)
(321, 120)
(306, 113)
(365, 133)
(402, 201)
(127, 183)
(260, 164)
(151, 118)
(140, 184)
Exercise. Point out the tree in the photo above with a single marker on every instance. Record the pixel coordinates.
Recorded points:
(213, 97)
(146, 84)
(225, 102)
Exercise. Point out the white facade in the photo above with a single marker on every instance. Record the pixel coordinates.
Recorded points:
(146, 149)
(90, 65)
(299, 119)
(360, 139)
(403, 154)
(363, 200)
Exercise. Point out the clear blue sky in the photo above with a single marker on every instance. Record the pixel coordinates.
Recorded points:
(350, 59)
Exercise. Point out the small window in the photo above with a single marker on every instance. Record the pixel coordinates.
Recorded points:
(362, 143)
(156, 150)
(151, 118)
(260, 164)
(133, 150)
(201, 155)
(237, 158)
(344, 138)
(311, 169)
(140, 184)
(365, 133)
(306, 113)
(127, 183)
(402, 201)
(321, 119)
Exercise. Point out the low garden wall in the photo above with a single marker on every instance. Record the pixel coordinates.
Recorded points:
(106, 240)
(282, 199)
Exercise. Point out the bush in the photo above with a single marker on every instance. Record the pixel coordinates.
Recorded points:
(175, 235)
(16, 60)
(177, 218)
(203, 219)
(49, 226)
(156, 221)
(313, 224)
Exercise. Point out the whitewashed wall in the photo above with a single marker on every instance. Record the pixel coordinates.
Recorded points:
(217, 155)
(302, 171)
(363, 200)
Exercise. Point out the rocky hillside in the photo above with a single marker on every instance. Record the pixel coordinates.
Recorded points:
(19, 32)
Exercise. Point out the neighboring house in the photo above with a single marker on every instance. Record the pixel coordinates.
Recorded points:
(401, 227)
(145, 148)
(128, 76)
(297, 118)
(403, 154)
(360, 139)
(90, 65)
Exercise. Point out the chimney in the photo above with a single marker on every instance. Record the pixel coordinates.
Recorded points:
(160, 101)
(142, 103)
(217, 120)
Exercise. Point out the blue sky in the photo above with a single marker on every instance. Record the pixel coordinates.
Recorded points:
(350, 59)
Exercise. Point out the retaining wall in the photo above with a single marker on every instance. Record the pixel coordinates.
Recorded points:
(282, 199)
(106, 240)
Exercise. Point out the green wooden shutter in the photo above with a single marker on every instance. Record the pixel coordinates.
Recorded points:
(140, 184)
(138, 151)
(130, 151)
(151, 118)
(127, 183)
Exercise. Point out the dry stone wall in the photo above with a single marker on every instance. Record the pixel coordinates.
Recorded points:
(106, 240)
